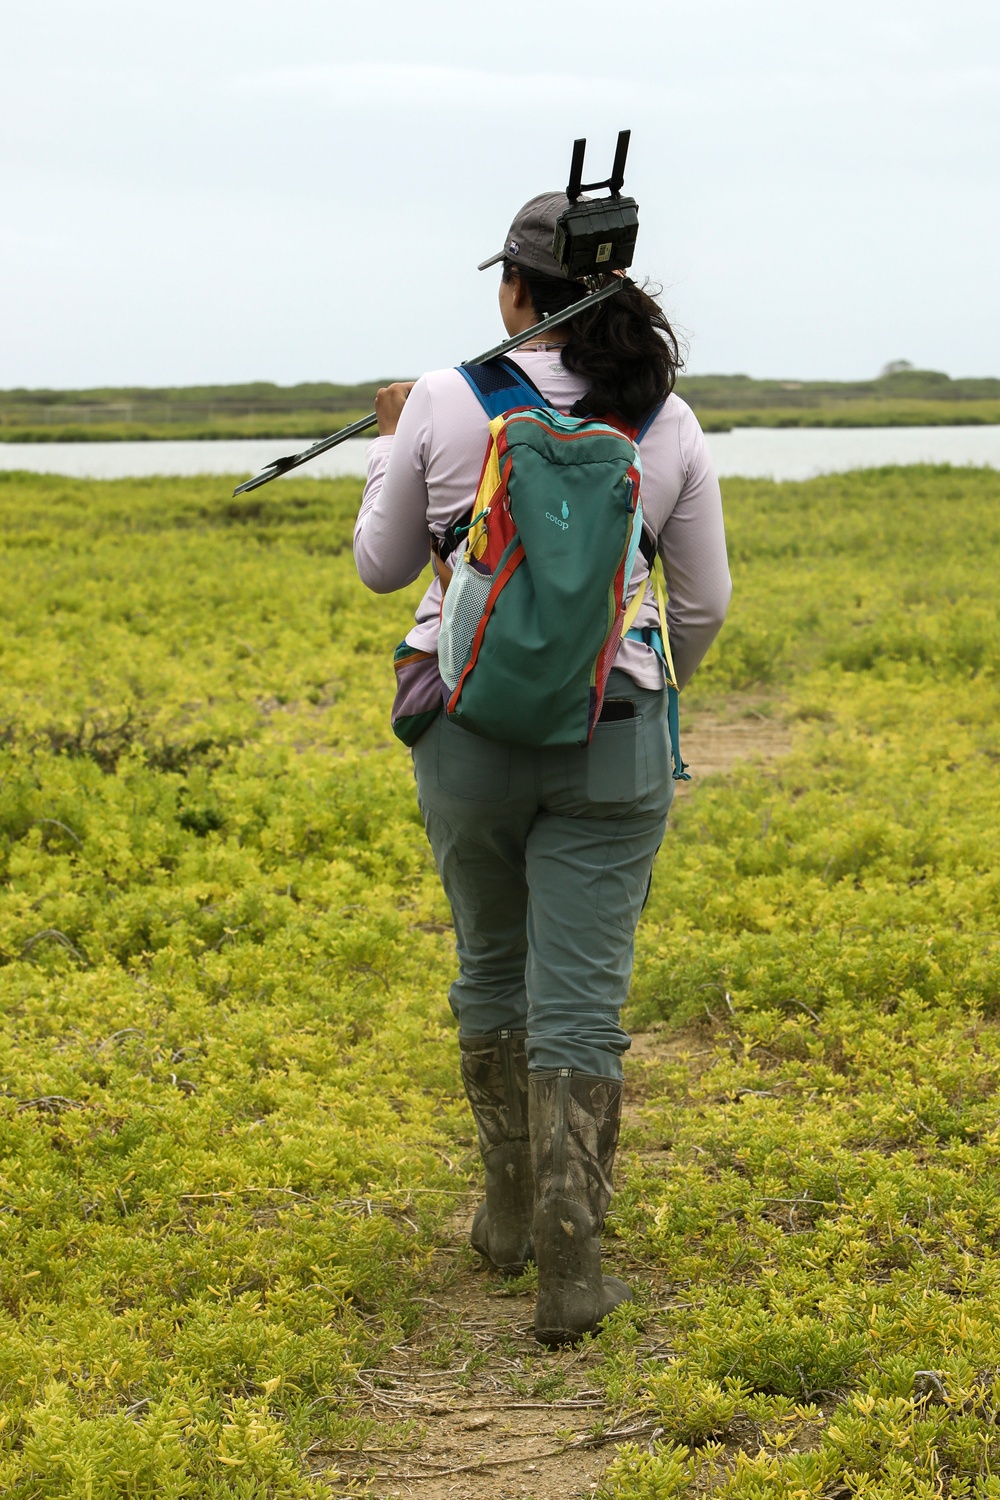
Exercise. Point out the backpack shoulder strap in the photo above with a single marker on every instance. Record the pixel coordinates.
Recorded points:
(647, 542)
(500, 386)
(641, 433)
(635, 431)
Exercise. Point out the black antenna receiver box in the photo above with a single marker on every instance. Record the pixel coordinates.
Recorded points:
(598, 234)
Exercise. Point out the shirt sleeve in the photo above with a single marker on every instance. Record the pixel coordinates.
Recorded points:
(692, 548)
(391, 539)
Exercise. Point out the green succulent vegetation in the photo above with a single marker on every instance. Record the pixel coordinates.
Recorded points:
(900, 397)
(230, 1130)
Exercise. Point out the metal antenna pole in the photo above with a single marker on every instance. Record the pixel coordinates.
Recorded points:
(279, 466)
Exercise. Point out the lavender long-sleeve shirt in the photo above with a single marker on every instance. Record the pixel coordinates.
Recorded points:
(425, 477)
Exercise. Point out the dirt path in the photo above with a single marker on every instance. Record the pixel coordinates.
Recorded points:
(503, 1418)
(713, 743)
(496, 1417)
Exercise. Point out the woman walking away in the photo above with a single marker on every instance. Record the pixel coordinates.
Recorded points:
(546, 852)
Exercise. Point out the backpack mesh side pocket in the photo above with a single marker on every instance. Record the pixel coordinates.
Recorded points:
(464, 604)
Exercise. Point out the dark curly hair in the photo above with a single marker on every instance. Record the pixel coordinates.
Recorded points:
(624, 346)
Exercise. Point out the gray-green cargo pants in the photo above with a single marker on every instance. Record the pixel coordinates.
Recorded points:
(545, 857)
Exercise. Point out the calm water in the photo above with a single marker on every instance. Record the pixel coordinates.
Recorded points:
(768, 453)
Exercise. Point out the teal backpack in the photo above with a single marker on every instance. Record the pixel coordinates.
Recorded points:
(534, 609)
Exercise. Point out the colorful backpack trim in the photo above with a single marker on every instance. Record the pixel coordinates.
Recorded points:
(534, 612)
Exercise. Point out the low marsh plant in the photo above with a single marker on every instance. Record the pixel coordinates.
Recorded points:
(230, 1130)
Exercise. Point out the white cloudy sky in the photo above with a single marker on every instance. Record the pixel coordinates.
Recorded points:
(236, 189)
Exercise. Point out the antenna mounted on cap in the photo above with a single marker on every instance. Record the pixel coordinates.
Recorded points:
(599, 234)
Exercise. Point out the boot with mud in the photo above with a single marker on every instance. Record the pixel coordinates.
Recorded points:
(575, 1120)
(495, 1074)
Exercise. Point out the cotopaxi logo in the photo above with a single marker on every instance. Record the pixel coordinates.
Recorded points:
(564, 523)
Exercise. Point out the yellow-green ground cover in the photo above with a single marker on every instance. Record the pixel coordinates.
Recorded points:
(231, 1130)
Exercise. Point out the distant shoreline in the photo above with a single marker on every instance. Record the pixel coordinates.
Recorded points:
(900, 397)
(309, 426)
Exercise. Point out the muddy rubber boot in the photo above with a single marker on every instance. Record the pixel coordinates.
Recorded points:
(574, 1119)
(495, 1074)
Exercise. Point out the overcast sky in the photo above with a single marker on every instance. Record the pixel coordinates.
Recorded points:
(234, 190)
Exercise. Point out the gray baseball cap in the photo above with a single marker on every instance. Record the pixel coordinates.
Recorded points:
(529, 239)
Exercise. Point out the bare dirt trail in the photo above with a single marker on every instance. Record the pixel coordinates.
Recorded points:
(714, 743)
(501, 1418)
(496, 1416)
